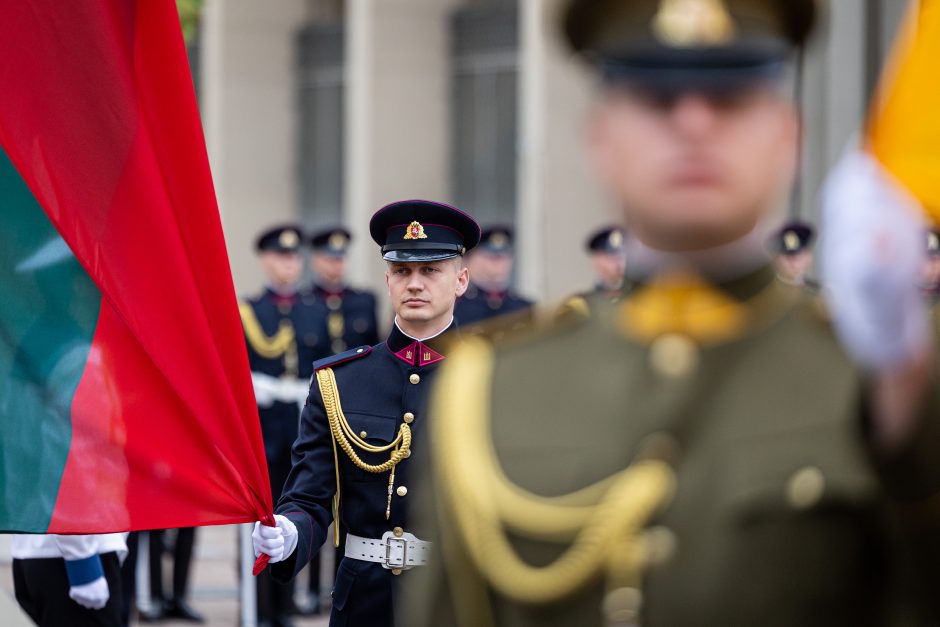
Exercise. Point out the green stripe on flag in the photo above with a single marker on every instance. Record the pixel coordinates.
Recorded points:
(48, 312)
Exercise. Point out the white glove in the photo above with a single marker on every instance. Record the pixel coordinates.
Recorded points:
(871, 255)
(277, 542)
(266, 389)
(93, 595)
(295, 390)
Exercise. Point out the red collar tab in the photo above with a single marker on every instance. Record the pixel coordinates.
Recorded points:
(419, 354)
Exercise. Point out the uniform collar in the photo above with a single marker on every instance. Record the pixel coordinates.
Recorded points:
(323, 291)
(417, 352)
(282, 297)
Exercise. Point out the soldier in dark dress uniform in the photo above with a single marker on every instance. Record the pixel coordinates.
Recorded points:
(607, 250)
(365, 412)
(792, 247)
(284, 331)
(490, 295)
(351, 320)
(715, 449)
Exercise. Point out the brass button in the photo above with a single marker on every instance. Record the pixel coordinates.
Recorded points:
(806, 487)
(401, 491)
(661, 544)
(673, 355)
(396, 571)
(398, 531)
(363, 434)
(415, 379)
(622, 605)
(409, 418)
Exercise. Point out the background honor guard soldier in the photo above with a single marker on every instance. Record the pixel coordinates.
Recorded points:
(489, 295)
(703, 453)
(607, 250)
(351, 320)
(364, 414)
(283, 330)
(792, 247)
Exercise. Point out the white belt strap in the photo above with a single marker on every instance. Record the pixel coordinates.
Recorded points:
(391, 551)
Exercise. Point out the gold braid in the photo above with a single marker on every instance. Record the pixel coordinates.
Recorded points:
(268, 347)
(606, 537)
(346, 438)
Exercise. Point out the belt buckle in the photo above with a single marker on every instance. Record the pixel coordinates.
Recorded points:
(390, 541)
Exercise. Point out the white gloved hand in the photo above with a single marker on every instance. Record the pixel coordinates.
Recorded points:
(93, 595)
(872, 252)
(277, 542)
(266, 388)
(295, 390)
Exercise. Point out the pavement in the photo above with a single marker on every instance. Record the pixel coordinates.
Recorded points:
(213, 583)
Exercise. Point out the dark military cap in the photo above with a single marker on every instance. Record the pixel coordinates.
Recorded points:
(497, 239)
(331, 241)
(423, 230)
(609, 239)
(286, 238)
(688, 43)
(792, 238)
(933, 243)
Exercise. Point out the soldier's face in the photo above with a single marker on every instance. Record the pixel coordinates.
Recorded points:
(425, 292)
(694, 170)
(490, 270)
(794, 267)
(330, 269)
(281, 269)
(609, 267)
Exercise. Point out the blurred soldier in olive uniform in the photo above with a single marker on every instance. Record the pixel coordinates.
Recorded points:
(704, 452)
(792, 247)
(353, 459)
(490, 296)
(283, 330)
(607, 250)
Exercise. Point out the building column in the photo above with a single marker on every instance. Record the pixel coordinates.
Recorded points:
(397, 125)
(559, 203)
(249, 113)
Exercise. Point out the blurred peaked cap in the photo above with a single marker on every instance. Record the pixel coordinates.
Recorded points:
(609, 239)
(497, 239)
(286, 238)
(334, 240)
(423, 230)
(933, 243)
(712, 42)
(793, 237)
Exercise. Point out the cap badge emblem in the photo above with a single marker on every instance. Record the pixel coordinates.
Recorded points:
(499, 240)
(693, 23)
(415, 231)
(288, 239)
(616, 239)
(337, 241)
(791, 241)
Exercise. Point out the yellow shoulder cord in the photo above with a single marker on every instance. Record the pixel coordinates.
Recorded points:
(268, 347)
(606, 535)
(344, 435)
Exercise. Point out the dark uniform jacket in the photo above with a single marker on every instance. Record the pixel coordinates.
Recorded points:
(783, 513)
(350, 320)
(478, 305)
(267, 313)
(377, 388)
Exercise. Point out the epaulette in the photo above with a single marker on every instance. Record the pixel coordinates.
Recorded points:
(342, 358)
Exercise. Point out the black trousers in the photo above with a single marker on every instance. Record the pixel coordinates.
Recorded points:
(42, 590)
(182, 560)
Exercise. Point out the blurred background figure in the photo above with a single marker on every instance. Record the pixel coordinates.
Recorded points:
(608, 260)
(792, 247)
(178, 544)
(930, 278)
(284, 331)
(490, 293)
(351, 320)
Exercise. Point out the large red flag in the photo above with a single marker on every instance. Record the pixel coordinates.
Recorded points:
(98, 117)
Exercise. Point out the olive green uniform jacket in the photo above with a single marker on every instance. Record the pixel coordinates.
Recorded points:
(782, 513)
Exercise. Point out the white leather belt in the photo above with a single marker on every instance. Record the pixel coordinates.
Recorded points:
(391, 551)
